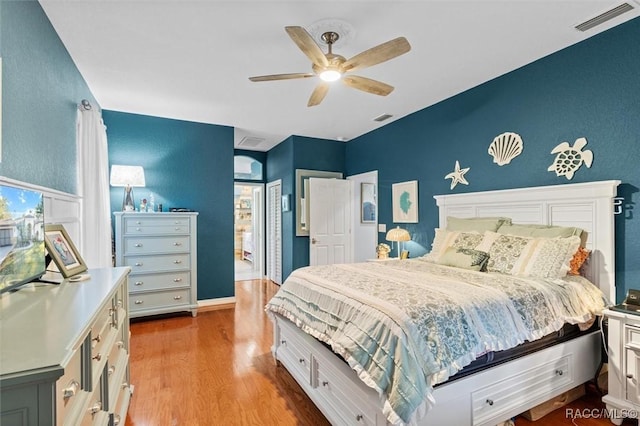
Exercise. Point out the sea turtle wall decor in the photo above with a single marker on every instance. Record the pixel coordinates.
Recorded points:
(570, 158)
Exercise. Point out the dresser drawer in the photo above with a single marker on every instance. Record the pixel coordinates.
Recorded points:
(292, 353)
(490, 402)
(94, 414)
(158, 263)
(69, 387)
(152, 245)
(156, 225)
(166, 281)
(160, 299)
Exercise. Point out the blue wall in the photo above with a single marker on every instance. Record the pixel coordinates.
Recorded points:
(588, 90)
(298, 152)
(186, 164)
(41, 88)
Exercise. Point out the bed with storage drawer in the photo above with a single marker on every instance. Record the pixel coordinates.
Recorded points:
(438, 339)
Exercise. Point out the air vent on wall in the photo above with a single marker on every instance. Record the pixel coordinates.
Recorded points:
(251, 141)
(383, 117)
(604, 17)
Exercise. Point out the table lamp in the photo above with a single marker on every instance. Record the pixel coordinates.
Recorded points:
(398, 234)
(127, 177)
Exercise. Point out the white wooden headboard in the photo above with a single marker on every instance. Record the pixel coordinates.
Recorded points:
(585, 205)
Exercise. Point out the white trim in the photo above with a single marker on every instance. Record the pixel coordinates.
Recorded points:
(216, 302)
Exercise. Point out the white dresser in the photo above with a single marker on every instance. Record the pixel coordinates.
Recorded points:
(161, 249)
(623, 346)
(65, 352)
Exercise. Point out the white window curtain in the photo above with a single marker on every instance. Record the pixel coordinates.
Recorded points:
(93, 188)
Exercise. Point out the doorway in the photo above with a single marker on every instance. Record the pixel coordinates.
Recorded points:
(248, 207)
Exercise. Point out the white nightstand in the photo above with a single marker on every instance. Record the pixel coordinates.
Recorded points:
(623, 346)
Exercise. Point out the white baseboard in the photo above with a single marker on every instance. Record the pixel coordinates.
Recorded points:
(218, 303)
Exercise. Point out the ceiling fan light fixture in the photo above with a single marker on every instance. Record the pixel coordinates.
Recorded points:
(330, 75)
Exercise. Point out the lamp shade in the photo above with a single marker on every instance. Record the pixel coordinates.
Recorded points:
(127, 176)
(398, 234)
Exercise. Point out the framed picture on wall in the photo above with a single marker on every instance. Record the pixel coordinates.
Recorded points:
(368, 204)
(404, 198)
(302, 196)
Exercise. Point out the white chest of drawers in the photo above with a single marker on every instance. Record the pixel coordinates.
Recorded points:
(64, 357)
(161, 249)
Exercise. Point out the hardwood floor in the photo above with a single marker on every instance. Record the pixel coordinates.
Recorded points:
(217, 369)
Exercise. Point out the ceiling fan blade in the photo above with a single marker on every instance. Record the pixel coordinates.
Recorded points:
(282, 76)
(318, 94)
(380, 53)
(367, 85)
(309, 47)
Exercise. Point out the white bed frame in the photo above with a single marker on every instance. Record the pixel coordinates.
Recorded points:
(501, 392)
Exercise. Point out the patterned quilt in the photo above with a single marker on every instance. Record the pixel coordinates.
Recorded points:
(407, 325)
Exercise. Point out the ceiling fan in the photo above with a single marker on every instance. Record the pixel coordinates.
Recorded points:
(331, 67)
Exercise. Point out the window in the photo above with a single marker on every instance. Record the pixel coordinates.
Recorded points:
(246, 168)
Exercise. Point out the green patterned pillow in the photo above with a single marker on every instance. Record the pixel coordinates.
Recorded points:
(504, 251)
(464, 258)
(476, 224)
(445, 239)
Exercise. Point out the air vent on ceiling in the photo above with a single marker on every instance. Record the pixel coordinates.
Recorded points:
(604, 17)
(251, 141)
(383, 117)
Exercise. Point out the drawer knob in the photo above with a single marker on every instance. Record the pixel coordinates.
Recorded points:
(177, 262)
(301, 360)
(97, 339)
(120, 344)
(70, 390)
(125, 385)
(138, 302)
(177, 244)
(629, 376)
(116, 419)
(283, 342)
(176, 229)
(177, 297)
(138, 223)
(325, 383)
(98, 357)
(490, 401)
(177, 280)
(138, 264)
(95, 407)
(137, 229)
(139, 282)
(359, 417)
(111, 370)
(137, 245)
(559, 372)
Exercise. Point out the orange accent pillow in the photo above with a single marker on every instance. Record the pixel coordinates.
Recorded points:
(578, 260)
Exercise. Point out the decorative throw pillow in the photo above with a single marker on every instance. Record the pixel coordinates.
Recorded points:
(445, 239)
(547, 257)
(504, 251)
(578, 259)
(476, 224)
(464, 258)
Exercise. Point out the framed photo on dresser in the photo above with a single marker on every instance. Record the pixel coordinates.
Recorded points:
(62, 251)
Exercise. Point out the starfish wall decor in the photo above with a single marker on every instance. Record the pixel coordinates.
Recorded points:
(457, 175)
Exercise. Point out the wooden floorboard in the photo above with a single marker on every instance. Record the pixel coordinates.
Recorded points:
(217, 369)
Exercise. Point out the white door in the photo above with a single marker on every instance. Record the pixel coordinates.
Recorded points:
(274, 231)
(330, 221)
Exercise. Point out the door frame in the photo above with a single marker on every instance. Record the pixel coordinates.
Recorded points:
(257, 226)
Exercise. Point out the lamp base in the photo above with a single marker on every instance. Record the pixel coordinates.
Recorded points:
(127, 201)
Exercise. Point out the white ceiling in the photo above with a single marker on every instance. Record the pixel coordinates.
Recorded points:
(191, 60)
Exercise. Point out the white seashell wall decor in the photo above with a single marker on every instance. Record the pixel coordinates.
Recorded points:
(505, 147)
(570, 158)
